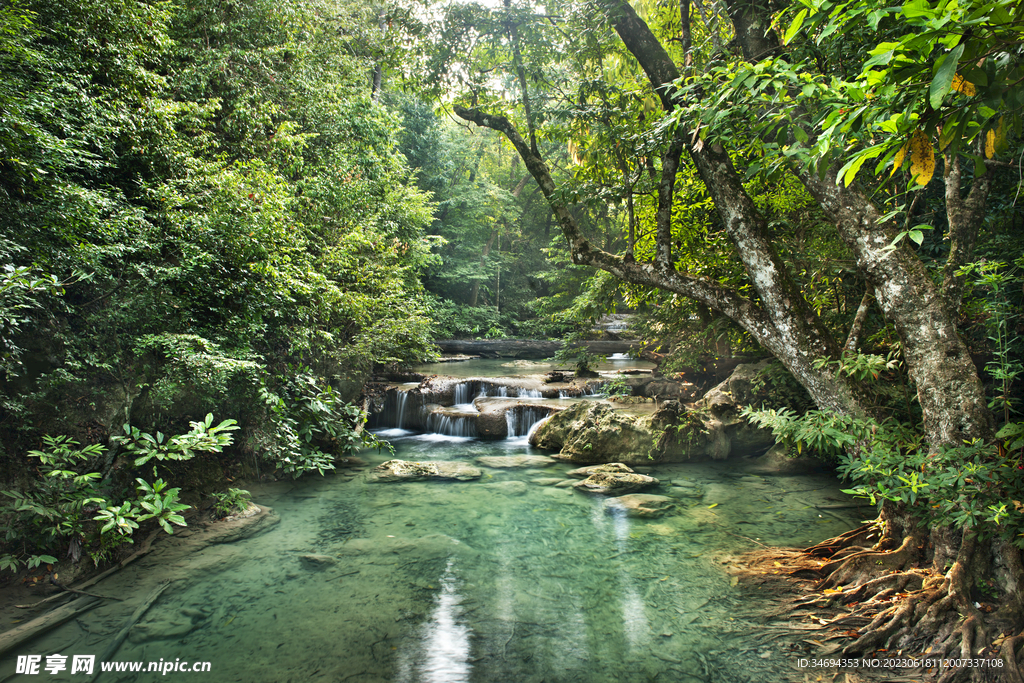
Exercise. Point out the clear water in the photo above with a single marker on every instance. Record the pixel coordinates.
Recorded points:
(500, 579)
(505, 367)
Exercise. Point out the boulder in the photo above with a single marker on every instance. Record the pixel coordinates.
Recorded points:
(546, 481)
(640, 505)
(594, 433)
(402, 470)
(584, 472)
(615, 483)
(778, 460)
(510, 461)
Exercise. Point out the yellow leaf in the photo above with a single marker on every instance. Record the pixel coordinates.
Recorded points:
(990, 144)
(922, 158)
(574, 153)
(897, 161)
(962, 86)
(833, 591)
(712, 505)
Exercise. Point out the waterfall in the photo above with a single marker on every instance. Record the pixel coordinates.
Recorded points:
(530, 393)
(464, 392)
(451, 426)
(521, 419)
(401, 398)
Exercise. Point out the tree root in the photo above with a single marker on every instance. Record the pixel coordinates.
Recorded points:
(895, 601)
(854, 568)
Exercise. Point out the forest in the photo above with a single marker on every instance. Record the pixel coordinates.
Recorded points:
(221, 220)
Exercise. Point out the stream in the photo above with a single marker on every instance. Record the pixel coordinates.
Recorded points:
(506, 578)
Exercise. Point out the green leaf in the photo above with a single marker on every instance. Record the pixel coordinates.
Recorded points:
(794, 28)
(945, 69)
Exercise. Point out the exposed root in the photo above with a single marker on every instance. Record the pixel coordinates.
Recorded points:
(854, 568)
(1008, 652)
(866, 535)
(897, 601)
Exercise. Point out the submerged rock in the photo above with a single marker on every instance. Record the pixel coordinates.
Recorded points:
(403, 470)
(641, 505)
(615, 483)
(509, 488)
(509, 461)
(316, 562)
(584, 472)
(546, 481)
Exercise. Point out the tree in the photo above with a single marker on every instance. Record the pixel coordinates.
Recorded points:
(766, 113)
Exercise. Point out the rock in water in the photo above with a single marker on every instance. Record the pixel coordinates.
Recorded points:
(641, 505)
(583, 472)
(509, 488)
(402, 470)
(615, 483)
(506, 461)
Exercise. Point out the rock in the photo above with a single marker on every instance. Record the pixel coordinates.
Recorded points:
(615, 483)
(402, 470)
(778, 461)
(547, 481)
(735, 391)
(316, 561)
(565, 483)
(641, 505)
(584, 472)
(596, 433)
(509, 488)
(686, 492)
(554, 376)
(509, 461)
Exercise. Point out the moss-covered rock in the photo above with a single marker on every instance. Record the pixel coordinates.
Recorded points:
(615, 483)
(597, 433)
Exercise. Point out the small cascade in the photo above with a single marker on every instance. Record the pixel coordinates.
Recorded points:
(619, 356)
(521, 419)
(449, 425)
(464, 392)
(401, 399)
(530, 393)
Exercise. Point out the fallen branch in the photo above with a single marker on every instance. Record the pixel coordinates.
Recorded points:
(79, 592)
(20, 634)
(123, 633)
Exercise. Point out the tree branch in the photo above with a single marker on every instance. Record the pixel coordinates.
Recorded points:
(964, 216)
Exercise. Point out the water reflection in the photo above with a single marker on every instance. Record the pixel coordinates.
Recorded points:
(634, 618)
(442, 655)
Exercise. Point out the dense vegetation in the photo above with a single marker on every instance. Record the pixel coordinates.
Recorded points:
(240, 209)
(204, 211)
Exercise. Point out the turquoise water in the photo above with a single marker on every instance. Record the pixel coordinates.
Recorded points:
(499, 579)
